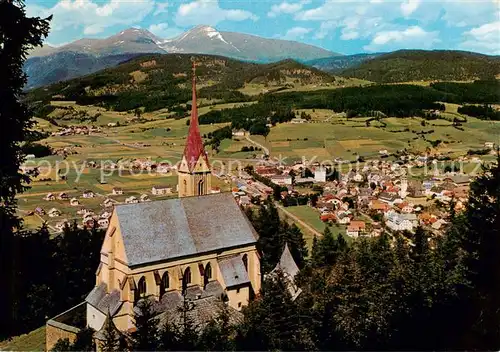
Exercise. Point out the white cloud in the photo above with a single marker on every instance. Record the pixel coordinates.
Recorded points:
(286, 8)
(296, 33)
(325, 28)
(408, 7)
(356, 19)
(485, 38)
(163, 30)
(161, 7)
(469, 13)
(93, 17)
(209, 12)
(412, 37)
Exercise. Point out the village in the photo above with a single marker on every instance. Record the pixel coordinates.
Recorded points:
(378, 197)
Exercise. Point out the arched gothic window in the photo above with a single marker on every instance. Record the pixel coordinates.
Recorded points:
(164, 284)
(245, 261)
(207, 274)
(186, 279)
(200, 187)
(184, 182)
(141, 287)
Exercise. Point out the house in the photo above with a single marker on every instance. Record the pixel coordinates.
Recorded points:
(320, 175)
(161, 190)
(39, 211)
(105, 215)
(298, 120)
(282, 180)
(398, 223)
(327, 217)
(215, 189)
(103, 223)
(489, 145)
(117, 191)
(163, 168)
(355, 228)
(144, 198)
(53, 213)
(343, 218)
(387, 198)
(107, 203)
(74, 202)
(49, 197)
(239, 133)
(62, 196)
(405, 207)
(88, 194)
(401, 222)
(131, 200)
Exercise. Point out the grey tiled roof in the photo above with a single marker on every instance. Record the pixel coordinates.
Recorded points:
(172, 228)
(287, 263)
(201, 312)
(105, 302)
(233, 271)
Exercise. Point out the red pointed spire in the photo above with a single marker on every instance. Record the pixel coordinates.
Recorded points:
(194, 144)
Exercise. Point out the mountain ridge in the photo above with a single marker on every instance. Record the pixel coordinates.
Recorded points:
(48, 64)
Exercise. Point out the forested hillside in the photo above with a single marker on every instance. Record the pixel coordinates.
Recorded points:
(417, 65)
(163, 81)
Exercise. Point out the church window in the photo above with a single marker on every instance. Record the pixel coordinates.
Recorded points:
(164, 284)
(200, 187)
(207, 274)
(186, 279)
(141, 287)
(185, 186)
(245, 261)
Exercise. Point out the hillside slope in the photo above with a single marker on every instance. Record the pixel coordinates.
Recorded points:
(163, 81)
(417, 65)
(336, 64)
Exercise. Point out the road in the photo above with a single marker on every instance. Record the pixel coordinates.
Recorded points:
(296, 219)
(266, 151)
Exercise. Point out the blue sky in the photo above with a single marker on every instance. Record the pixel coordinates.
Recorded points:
(342, 26)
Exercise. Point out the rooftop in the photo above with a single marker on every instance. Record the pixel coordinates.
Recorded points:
(173, 228)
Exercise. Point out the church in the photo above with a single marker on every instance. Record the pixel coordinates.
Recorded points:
(199, 246)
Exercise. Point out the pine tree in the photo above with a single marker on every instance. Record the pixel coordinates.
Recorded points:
(169, 337)
(111, 336)
(481, 243)
(18, 34)
(84, 340)
(188, 338)
(145, 338)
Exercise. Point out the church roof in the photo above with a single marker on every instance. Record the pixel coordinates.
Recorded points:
(202, 311)
(233, 271)
(105, 302)
(173, 228)
(194, 144)
(287, 263)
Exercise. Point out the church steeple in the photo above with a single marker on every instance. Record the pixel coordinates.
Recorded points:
(194, 170)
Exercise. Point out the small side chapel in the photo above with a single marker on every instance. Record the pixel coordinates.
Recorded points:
(199, 246)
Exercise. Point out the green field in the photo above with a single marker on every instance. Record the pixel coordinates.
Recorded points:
(33, 341)
(311, 217)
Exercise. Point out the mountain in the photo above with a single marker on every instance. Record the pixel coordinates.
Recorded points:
(51, 64)
(65, 65)
(164, 81)
(422, 65)
(207, 40)
(336, 64)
